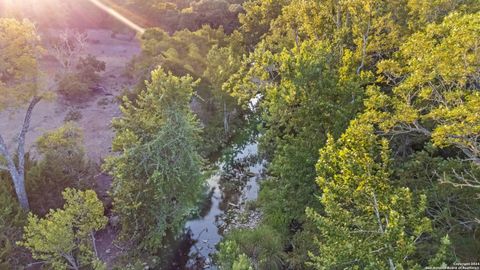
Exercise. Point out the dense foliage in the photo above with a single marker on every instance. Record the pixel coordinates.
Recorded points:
(200, 54)
(64, 238)
(19, 83)
(19, 68)
(157, 177)
(364, 217)
(416, 62)
(367, 113)
(12, 219)
(63, 164)
(174, 15)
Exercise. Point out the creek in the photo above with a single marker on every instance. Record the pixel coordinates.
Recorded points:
(232, 189)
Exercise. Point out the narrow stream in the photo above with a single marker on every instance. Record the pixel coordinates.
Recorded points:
(231, 187)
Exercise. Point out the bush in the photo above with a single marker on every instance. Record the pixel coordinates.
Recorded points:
(73, 115)
(63, 165)
(63, 239)
(262, 246)
(76, 86)
(88, 68)
(103, 102)
(12, 219)
(127, 95)
(73, 88)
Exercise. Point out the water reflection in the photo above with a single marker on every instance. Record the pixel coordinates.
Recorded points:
(234, 184)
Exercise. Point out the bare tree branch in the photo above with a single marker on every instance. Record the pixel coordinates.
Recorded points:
(68, 48)
(364, 44)
(464, 179)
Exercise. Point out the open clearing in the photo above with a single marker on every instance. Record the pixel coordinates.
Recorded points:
(97, 113)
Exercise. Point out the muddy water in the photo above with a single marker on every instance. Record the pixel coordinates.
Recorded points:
(231, 187)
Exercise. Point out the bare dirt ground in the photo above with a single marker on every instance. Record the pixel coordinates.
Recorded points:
(97, 113)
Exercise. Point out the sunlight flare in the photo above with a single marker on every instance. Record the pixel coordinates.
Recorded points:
(118, 16)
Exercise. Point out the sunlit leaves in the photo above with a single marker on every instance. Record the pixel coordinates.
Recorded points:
(366, 222)
(459, 125)
(19, 49)
(435, 76)
(64, 237)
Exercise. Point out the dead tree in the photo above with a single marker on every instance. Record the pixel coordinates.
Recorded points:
(68, 48)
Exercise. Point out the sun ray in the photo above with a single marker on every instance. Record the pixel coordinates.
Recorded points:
(107, 7)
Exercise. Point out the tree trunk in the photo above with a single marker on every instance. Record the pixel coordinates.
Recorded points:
(225, 118)
(71, 260)
(20, 190)
(18, 172)
(364, 45)
(17, 178)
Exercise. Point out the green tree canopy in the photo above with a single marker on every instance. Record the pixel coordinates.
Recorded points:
(435, 80)
(19, 49)
(365, 222)
(157, 176)
(64, 238)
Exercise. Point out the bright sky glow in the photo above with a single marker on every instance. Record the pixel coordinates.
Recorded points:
(43, 7)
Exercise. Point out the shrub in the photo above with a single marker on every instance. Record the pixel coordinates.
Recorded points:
(88, 68)
(103, 102)
(262, 246)
(63, 165)
(76, 86)
(73, 115)
(73, 88)
(12, 219)
(64, 237)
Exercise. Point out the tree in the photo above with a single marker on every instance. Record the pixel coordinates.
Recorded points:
(305, 86)
(367, 49)
(309, 98)
(177, 15)
(184, 53)
(422, 13)
(88, 67)
(65, 237)
(221, 64)
(181, 53)
(256, 20)
(68, 47)
(451, 208)
(426, 100)
(365, 222)
(435, 83)
(157, 174)
(19, 48)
